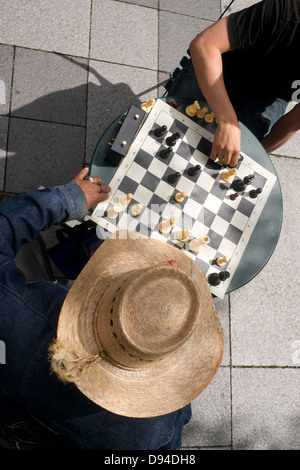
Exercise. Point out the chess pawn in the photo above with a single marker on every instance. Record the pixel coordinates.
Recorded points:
(165, 226)
(222, 260)
(201, 113)
(114, 211)
(179, 197)
(227, 175)
(192, 109)
(183, 235)
(126, 199)
(209, 118)
(136, 209)
(195, 245)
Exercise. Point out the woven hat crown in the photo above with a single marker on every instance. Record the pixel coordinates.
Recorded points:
(146, 315)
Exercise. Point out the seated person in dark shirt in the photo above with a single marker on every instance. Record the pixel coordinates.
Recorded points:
(246, 67)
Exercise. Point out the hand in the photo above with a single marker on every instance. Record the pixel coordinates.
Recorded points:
(92, 191)
(227, 144)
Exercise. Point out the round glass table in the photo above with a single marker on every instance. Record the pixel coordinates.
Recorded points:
(267, 230)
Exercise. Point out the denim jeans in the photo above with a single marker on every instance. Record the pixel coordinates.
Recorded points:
(29, 314)
(258, 114)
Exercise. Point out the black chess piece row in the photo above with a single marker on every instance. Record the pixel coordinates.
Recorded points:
(239, 185)
(191, 171)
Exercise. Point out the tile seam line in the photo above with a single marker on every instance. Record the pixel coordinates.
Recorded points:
(43, 120)
(9, 117)
(165, 10)
(87, 58)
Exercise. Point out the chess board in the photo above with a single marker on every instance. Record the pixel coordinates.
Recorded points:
(207, 210)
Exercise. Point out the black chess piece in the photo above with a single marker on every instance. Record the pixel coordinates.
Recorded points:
(238, 185)
(174, 177)
(249, 179)
(165, 152)
(255, 192)
(216, 278)
(160, 131)
(194, 170)
(172, 139)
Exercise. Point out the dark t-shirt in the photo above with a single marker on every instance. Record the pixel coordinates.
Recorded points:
(265, 42)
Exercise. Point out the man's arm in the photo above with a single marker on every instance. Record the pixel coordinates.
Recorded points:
(283, 130)
(25, 215)
(206, 52)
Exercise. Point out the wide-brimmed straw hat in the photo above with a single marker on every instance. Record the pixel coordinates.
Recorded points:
(138, 333)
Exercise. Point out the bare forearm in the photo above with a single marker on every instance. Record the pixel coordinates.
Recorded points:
(283, 130)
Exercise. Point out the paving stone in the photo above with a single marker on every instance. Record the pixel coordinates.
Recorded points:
(52, 26)
(6, 65)
(264, 313)
(49, 87)
(118, 38)
(112, 90)
(171, 27)
(208, 9)
(42, 154)
(211, 418)
(265, 409)
(3, 141)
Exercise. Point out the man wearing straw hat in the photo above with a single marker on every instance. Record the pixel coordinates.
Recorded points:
(115, 362)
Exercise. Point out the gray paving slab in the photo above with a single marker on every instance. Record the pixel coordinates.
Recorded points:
(42, 154)
(211, 416)
(265, 409)
(112, 90)
(6, 65)
(208, 9)
(128, 36)
(265, 319)
(144, 3)
(175, 35)
(52, 26)
(49, 87)
(3, 143)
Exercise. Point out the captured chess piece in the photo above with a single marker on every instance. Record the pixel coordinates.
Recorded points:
(216, 278)
(172, 139)
(194, 170)
(201, 113)
(255, 192)
(165, 152)
(147, 105)
(209, 118)
(160, 131)
(173, 177)
(192, 109)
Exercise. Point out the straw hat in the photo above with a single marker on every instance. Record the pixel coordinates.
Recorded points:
(138, 333)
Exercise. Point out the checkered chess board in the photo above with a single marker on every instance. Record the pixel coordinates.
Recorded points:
(208, 209)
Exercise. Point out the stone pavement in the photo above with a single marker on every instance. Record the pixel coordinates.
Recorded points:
(67, 70)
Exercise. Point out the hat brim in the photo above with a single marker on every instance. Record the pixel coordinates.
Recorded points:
(170, 383)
